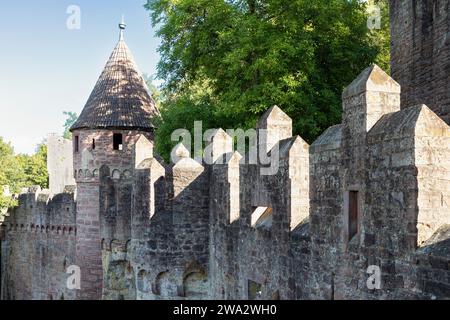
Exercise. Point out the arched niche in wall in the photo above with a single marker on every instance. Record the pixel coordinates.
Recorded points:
(195, 285)
(116, 246)
(103, 244)
(116, 175)
(104, 172)
(126, 174)
(163, 287)
(120, 281)
(142, 281)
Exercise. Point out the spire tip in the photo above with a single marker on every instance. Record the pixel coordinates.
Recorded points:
(122, 27)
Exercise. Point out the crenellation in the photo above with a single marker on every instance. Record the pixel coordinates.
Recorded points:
(219, 144)
(370, 194)
(40, 223)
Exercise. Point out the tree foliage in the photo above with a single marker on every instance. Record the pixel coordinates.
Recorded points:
(153, 89)
(34, 168)
(71, 118)
(226, 61)
(381, 37)
(19, 171)
(10, 173)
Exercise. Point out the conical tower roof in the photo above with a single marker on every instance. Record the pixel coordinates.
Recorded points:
(120, 99)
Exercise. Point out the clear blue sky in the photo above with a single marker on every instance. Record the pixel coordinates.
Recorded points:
(46, 69)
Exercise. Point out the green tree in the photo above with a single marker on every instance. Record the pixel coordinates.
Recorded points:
(381, 37)
(71, 118)
(19, 171)
(155, 93)
(35, 167)
(180, 112)
(228, 61)
(10, 173)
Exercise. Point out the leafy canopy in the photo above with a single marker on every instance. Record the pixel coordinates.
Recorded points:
(71, 118)
(226, 61)
(19, 171)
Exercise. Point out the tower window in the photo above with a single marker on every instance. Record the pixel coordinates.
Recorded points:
(93, 144)
(352, 214)
(117, 141)
(76, 144)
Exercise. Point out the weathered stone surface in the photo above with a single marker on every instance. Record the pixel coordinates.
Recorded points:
(59, 163)
(372, 192)
(420, 53)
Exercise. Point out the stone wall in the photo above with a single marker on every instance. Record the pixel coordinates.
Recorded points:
(59, 163)
(227, 231)
(251, 253)
(38, 246)
(420, 53)
(167, 254)
(96, 214)
(325, 216)
(399, 168)
(370, 192)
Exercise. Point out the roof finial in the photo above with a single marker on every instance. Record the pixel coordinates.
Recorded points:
(122, 27)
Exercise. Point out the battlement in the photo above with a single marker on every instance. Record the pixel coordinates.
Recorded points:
(278, 220)
(39, 207)
(190, 230)
(39, 212)
(41, 230)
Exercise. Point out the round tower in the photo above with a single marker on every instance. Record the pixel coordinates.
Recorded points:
(118, 111)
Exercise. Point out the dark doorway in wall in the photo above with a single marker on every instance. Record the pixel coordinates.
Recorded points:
(353, 209)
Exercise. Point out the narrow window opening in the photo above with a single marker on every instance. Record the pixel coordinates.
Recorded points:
(117, 141)
(352, 214)
(76, 144)
(93, 144)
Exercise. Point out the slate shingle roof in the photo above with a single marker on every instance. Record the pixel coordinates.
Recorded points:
(120, 98)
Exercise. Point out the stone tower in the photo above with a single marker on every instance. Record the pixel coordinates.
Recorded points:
(420, 53)
(118, 112)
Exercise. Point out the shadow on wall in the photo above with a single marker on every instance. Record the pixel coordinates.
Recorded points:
(433, 260)
(158, 263)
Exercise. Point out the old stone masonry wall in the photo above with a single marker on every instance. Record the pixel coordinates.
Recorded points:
(361, 214)
(37, 246)
(420, 53)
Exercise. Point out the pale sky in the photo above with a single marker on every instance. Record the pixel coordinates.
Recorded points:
(46, 69)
